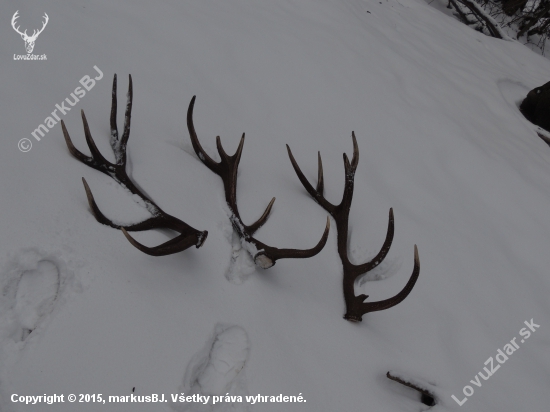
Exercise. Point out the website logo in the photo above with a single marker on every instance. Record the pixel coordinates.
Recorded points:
(29, 40)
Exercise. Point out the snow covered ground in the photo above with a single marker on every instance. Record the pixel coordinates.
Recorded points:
(433, 104)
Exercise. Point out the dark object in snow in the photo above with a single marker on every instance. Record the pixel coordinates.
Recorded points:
(510, 7)
(264, 256)
(356, 306)
(536, 106)
(160, 219)
(426, 397)
(545, 138)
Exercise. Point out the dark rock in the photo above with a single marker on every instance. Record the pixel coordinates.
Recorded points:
(536, 106)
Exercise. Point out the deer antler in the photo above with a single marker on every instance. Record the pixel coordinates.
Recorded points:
(356, 306)
(264, 256)
(160, 219)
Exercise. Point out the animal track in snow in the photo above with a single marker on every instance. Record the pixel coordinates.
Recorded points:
(241, 264)
(225, 360)
(36, 292)
(31, 285)
(218, 370)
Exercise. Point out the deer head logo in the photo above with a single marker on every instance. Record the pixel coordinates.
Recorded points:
(29, 40)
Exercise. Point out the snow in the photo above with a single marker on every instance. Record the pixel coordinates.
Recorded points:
(434, 107)
(36, 292)
(217, 371)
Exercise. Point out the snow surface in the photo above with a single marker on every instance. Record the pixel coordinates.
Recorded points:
(217, 370)
(434, 106)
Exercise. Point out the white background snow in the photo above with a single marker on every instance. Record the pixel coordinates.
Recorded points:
(433, 104)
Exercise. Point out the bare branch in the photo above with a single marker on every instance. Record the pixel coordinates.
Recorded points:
(428, 398)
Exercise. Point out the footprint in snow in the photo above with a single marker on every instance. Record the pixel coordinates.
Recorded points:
(31, 285)
(217, 370)
(240, 264)
(35, 296)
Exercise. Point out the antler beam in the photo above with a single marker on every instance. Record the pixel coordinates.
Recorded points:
(356, 306)
(117, 171)
(264, 256)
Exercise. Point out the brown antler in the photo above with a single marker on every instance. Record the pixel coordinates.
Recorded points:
(264, 256)
(356, 306)
(160, 219)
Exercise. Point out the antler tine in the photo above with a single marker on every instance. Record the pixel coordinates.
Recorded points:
(96, 154)
(121, 150)
(87, 160)
(355, 159)
(238, 152)
(316, 194)
(170, 247)
(236, 158)
(160, 219)
(119, 145)
(367, 267)
(220, 148)
(261, 221)
(264, 256)
(359, 307)
(203, 156)
(320, 181)
(351, 167)
(267, 257)
(99, 216)
(112, 119)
